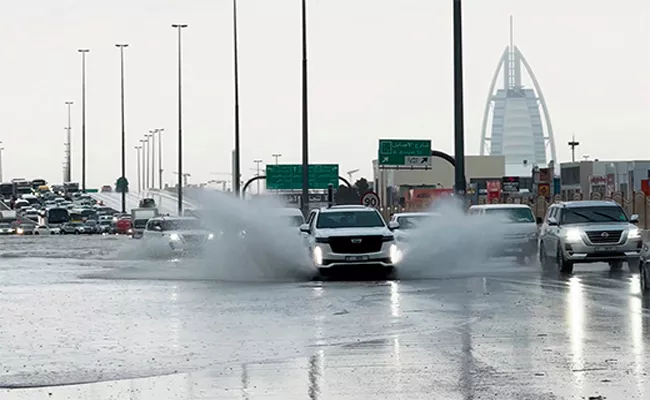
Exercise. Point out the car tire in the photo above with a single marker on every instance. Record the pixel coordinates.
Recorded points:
(543, 257)
(616, 265)
(564, 266)
(36, 233)
(644, 278)
(76, 232)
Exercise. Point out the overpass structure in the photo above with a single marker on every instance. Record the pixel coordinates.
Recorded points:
(166, 202)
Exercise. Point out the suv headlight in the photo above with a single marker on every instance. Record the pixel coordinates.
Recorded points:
(634, 233)
(573, 235)
(174, 237)
(211, 236)
(318, 255)
(395, 254)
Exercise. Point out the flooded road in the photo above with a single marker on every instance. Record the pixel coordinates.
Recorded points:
(78, 321)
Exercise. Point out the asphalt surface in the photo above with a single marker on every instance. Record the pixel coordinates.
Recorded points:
(82, 319)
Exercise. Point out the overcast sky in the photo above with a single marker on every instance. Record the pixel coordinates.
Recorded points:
(378, 69)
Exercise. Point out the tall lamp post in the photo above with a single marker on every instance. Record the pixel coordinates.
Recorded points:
(141, 175)
(237, 169)
(153, 157)
(83, 118)
(147, 158)
(122, 47)
(179, 28)
(258, 162)
(276, 156)
(160, 168)
(459, 127)
(305, 113)
(137, 149)
(68, 160)
(2, 148)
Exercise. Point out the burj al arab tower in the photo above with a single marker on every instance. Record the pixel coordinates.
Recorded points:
(516, 121)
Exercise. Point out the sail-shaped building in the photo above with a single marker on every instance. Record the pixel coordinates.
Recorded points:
(516, 121)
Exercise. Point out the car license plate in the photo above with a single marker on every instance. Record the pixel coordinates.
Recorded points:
(356, 258)
(604, 249)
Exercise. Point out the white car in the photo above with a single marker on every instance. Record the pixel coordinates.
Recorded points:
(350, 237)
(518, 236)
(45, 230)
(175, 236)
(409, 222)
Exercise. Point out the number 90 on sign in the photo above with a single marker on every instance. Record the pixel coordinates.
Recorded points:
(370, 199)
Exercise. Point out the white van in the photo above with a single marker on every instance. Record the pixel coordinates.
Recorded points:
(521, 237)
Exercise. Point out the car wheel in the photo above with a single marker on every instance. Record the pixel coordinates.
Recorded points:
(543, 258)
(76, 232)
(36, 233)
(616, 265)
(564, 266)
(644, 278)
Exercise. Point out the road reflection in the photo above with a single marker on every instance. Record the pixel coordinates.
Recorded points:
(636, 321)
(575, 319)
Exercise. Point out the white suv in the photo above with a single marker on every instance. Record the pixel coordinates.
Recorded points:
(176, 236)
(587, 232)
(350, 236)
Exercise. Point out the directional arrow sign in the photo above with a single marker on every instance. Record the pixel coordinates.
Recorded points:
(417, 160)
(400, 152)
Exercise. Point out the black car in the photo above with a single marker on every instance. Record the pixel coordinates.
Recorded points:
(147, 203)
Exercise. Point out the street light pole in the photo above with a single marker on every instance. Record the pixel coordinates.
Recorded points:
(69, 143)
(141, 174)
(1, 172)
(459, 127)
(276, 156)
(179, 28)
(153, 157)
(121, 47)
(237, 172)
(305, 122)
(147, 149)
(258, 162)
(138, 148)
(83, 118)
(160, 168)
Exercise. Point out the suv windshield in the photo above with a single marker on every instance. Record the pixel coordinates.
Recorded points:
(516, 215)
(349, 219)
(413, 221)
(579, 215)
(181, 224)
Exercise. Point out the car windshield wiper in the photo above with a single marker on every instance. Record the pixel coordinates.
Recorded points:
(609, 216)
(583, 216)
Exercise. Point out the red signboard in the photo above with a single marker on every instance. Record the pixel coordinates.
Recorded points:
(645, 186)
(425, 196)
(493, 190)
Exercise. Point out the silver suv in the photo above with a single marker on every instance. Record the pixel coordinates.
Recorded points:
(352, 237)
(588, 232)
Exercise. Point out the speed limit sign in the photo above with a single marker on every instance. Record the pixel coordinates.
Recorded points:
(370, 199)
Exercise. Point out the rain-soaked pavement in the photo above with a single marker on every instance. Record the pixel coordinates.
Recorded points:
(69, 330)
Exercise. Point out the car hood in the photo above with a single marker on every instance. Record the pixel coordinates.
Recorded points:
(191, 232)
(352, 232)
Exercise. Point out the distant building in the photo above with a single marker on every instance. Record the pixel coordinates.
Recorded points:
(605, 177)
(516, 121)
(441, 175)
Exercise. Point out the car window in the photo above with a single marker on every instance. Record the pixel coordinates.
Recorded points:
(349, 219)
(578, 215)
(513, 215)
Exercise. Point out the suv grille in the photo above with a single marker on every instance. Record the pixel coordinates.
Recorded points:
(602, 237)
(195, 239)
(345, 245)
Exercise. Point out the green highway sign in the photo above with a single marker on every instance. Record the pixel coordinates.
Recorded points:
(92, 190)
(398, 152)
(289, 176)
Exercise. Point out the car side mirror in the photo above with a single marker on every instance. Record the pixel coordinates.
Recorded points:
(552, 221)
(539, 220)
(305, 228)
(392, 225)
(634, 219)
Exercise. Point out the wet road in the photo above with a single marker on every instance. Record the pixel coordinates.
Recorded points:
(76, 312)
